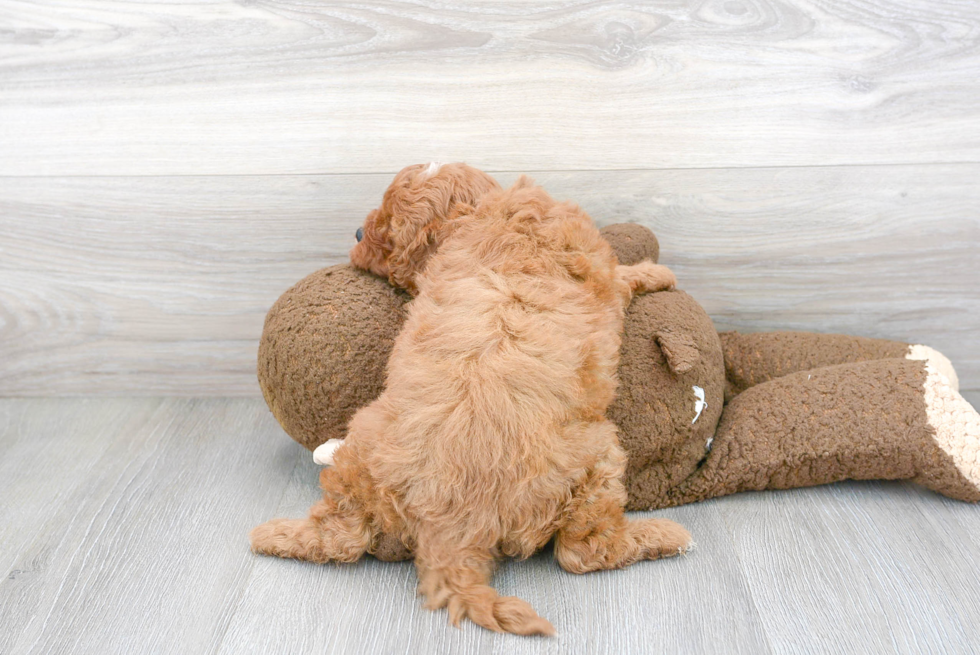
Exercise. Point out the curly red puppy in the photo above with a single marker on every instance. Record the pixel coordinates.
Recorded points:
(490, 437)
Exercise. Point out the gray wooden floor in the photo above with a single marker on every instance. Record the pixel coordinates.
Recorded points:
(123, 530)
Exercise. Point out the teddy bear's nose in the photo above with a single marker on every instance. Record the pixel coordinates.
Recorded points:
(359, 234)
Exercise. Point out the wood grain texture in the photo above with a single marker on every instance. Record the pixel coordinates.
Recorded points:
(123, 530)
(168, 169)
(860, 567)
(670, 606)
(45, 457)
(100, 87)
(142, 549)
(160, 285)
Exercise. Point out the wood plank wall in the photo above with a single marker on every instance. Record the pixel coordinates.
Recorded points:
(167, 170)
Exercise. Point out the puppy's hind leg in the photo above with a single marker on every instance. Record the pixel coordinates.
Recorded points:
(336, 530)
(646, 277)
(339, 528)
(460, 580)
(597, 534)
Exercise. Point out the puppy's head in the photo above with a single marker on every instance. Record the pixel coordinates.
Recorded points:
(415, 215)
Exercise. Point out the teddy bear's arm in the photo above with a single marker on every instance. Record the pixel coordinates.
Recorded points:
(890, 419)
(751, 359)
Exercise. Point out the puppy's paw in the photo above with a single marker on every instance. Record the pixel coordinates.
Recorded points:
(656, 277)
(661, 538)
(323, 455)
(647, 277)
(274, 537)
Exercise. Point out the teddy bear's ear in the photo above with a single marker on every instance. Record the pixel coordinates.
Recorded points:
(632, 242)
(679, 349)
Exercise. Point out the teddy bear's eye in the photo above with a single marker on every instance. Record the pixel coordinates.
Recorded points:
(359, 234)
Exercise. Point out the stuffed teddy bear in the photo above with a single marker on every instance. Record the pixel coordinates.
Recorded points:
(700, 414)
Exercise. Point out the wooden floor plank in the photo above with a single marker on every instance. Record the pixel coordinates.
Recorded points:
(160, 285)
(141, 548)
(105, 88)
(859, 567)
(149, 552)
(46, 457)
(677, 605)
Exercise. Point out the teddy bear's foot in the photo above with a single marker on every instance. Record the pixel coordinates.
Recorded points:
(956, 426)
(939, 362)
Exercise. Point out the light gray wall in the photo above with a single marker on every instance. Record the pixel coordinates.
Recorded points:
(166, 171)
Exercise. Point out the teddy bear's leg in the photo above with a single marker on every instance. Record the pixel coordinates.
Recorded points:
(597, 535)
(887, 419)
(751, 359)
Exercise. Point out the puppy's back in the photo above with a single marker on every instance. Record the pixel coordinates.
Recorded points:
(508, 355)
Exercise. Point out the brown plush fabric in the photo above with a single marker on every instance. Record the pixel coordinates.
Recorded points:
(633, 243)
(857, 421)
(389, 548)
(754, 358)
(804, 408)
(324, 349)
(656, 404)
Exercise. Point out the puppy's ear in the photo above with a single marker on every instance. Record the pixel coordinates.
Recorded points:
(523, 182)
(461, 209)
(408, 260)
(425, 210)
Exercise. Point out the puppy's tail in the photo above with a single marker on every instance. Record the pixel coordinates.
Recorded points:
(466, 592)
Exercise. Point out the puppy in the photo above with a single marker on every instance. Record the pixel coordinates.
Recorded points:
(490, 437)
(400, 235)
